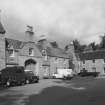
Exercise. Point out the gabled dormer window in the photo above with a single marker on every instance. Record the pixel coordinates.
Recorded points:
(11, 53)
(31, 52)
(44, 53)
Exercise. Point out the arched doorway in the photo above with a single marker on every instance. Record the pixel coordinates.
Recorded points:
(30, 64)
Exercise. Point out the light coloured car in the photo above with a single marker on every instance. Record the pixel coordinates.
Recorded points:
(55, 75)
(63, 73)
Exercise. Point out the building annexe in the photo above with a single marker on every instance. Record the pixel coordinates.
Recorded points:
(93, 61)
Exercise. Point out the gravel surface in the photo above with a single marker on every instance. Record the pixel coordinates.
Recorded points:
(78, 91)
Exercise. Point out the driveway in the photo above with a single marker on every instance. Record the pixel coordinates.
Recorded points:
(78, 91)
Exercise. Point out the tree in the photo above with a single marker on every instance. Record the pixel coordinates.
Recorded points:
(102, 43)
(78, 47)
(93, 46)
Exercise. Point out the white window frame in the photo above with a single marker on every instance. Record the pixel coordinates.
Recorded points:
(46, 58)
(32, 52)
(13, 53)
(44, 53)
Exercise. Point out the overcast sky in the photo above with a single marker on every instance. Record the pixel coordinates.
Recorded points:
(62, 20)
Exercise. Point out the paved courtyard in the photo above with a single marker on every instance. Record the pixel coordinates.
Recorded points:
(78, 91)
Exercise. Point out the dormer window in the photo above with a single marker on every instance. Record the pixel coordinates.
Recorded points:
(31, 52)
(44, 52)
(11, 53)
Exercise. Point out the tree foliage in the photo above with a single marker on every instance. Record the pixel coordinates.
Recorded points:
(78, 47)
(90, 47)
(102, 43)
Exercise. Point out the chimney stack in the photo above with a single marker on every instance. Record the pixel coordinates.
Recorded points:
(29, 34)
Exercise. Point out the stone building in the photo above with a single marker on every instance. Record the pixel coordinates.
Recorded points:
(93, 61)
(73, 61)
(54, 57)
(19, 53)
(25, 53)
(2, 47)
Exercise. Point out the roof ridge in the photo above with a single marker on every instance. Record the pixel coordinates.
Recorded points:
(94, 51)
(14, 39)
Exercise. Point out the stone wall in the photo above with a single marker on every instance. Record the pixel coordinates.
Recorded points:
(2, 52)
(22, 59)
(59, 63)
(89, 65)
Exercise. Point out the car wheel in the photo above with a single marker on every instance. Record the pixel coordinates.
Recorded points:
(27, 81)
(7, 83)
(37, 81)
(23, 83)
(64, 78)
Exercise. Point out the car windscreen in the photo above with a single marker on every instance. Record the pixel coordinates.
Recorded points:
(29, 72)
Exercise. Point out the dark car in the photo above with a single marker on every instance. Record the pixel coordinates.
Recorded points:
(30, 77)
(16, 76)
(12, 76)
(86, 73)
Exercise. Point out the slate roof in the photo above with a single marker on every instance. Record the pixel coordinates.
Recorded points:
(58, 52)
(16, 44)
(2, 30)
(100, 54)
(54, 52)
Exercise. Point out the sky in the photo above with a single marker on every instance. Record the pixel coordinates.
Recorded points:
(60, 20)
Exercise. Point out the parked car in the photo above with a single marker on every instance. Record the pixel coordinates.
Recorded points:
(64, 74)
(12, 76)
(86, 73)
(68, 77)
(17, 76)
(46, 76)
(56, 75)
(30, 77)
